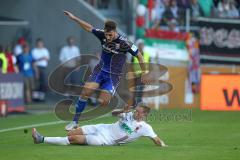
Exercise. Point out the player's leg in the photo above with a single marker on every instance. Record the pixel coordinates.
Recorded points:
(108, 88)
(74, 139)
(88, 89)
(84, 130)
(95, 134)
(104, 97)
(77, 139)
(139, 87)
(93, 140)
(88, 134)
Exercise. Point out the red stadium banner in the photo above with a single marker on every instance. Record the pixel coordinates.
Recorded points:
(220, 92)
(169, 35)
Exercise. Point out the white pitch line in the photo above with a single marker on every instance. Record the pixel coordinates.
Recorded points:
(43, 124)
(32, 126)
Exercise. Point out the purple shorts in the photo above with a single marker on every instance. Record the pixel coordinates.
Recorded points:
(106, 81)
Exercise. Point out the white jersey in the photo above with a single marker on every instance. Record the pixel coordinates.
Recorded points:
(39, 53)
(125, 130)
(67, 53)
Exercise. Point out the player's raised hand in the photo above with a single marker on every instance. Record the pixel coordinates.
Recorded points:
(69, 14)
(86, 26)
(127, 108)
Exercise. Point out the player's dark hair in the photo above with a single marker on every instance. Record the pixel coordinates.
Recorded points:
(110, 26)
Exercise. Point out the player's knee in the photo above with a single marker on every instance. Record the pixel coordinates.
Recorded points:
(77, 139)
(86, 93)
(103, 101)
(71, 139)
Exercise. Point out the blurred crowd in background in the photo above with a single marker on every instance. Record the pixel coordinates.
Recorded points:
(174, 13)
(173, 8)
(32, 64)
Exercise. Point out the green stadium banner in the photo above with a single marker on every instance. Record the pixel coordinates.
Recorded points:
(206, 6)
(167, 49)
(140, 32)
(144, 2)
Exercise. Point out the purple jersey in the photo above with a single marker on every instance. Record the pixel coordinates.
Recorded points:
(114, 53)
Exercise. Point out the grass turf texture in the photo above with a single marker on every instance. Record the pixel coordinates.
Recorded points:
(209, 136)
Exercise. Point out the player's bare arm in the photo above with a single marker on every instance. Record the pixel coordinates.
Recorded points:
(86, 26)
(158, 142)
(126, 109)
(142, 64)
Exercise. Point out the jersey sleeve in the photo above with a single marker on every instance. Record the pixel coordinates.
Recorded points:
(133, 50)
(148, 131)
(126, 116)
(98, 33)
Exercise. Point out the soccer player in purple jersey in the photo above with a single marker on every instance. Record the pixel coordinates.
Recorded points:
(106, 74)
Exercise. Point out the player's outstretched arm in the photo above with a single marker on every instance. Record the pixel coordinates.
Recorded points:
(144, 78)
(159, 142)
(117, 112)
(141, 61)
(86, 26)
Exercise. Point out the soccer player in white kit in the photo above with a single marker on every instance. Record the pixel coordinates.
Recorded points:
(128, 128)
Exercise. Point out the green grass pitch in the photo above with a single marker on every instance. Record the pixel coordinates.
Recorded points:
(208, 136)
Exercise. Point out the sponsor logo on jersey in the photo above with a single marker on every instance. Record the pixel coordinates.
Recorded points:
(126, 128)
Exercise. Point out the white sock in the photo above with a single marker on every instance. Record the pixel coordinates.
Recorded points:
(57, 140)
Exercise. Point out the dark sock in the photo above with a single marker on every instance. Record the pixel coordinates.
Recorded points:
(80, 106)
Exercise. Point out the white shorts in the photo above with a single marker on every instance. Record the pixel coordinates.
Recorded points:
(97, 135)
